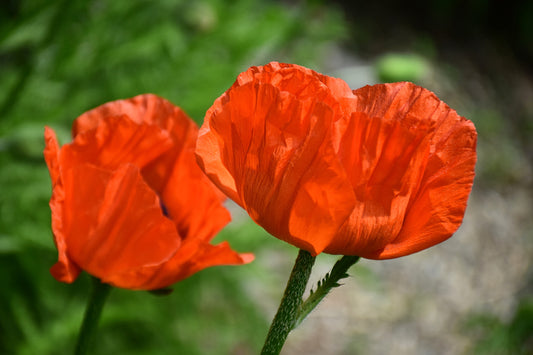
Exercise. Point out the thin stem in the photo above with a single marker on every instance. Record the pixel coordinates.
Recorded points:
(97, 298)
(325, 285)
(285, 318)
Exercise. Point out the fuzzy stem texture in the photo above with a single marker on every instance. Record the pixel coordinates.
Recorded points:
(285, 318)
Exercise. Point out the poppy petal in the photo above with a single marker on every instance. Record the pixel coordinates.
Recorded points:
(195, 255)
(384, 162)
(437, 210)
(183, 132)
(391, 150)
(198, 212)
(301, 82)
(210, 148)
(65, 270)
(51, 154)
(275, 158)
(146, 108)
(118, 139)
(211, 255)
(152, 110)
(114, 223)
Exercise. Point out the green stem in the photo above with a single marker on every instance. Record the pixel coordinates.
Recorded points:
(99, 293)
(324, 286)
(285, 318)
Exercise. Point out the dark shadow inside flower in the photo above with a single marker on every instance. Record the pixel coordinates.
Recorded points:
(163, 208)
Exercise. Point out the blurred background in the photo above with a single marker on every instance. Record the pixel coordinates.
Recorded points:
(472, 294)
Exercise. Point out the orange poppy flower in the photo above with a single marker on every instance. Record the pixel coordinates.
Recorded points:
(379, 172)
(129, 203)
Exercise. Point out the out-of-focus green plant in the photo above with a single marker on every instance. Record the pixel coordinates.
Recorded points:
(492, 336)
(60, 58)
(501, 160)
(401, 67)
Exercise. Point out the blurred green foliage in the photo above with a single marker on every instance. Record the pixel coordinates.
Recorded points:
(61, 58)
(494, 336)
(401, 67)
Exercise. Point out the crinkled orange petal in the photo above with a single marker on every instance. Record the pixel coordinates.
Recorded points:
(51, 154)
(183, 131)
(301, 82)
(119, 139)
(438, 208)
(192, 201)
(152, 110)
(65, 270)
(276, 151)
(389, 148)
(114, 224)
(210, 148)
(146, 108)
(384, 161)
(208, 255)
(195, 255)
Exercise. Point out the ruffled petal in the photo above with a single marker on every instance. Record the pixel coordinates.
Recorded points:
(391, 148)
(193, 256)
(300, 82)
(437, 210)
(211, 147)
(65, 270)
(192, 202)
(183, 131)
(384, 161)
(118, 139)
(114, 224)
(277, 153)
(208, 255)
(151, 110)
(51, 154)
(146, 108)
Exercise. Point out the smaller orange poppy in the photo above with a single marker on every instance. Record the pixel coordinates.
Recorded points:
(129, 203)
(379, 172)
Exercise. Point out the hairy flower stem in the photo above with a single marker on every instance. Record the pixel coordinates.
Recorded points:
(97, 298)
(285, 318)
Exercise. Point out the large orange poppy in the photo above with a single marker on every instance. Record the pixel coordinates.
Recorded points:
(379, 172)
(129, 203)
